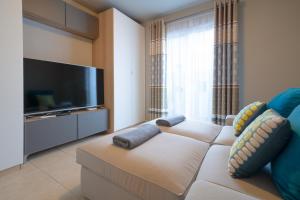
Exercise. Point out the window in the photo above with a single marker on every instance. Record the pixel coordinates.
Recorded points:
(190, 54)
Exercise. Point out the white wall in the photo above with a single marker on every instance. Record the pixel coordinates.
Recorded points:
(47, 43)
(11, 84)
(269, 48)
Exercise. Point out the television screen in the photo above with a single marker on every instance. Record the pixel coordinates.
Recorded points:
(51, 86)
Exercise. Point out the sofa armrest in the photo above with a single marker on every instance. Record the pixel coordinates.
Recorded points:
(229, 120)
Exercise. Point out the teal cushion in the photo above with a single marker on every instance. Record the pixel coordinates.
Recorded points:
(258, 144)
(285, 102)
(286, 167)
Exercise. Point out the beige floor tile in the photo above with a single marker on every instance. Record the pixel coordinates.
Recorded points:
(48, 158)
(7, 176)
(76, 191)
(70, 148)
(9, 171)
(66, 172)
(49, 175)
(33, 186)
(61, 167)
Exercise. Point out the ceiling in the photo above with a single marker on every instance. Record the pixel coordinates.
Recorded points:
(141, 10)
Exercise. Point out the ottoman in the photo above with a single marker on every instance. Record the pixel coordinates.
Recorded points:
(163, 168)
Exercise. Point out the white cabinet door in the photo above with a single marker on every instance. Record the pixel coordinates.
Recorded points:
(138, 75)
(129, 72)
(122, 71)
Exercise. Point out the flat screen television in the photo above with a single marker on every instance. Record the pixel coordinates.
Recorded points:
(52, 87)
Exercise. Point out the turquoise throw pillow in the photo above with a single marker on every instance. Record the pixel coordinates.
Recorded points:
(286, 167)
(285, 102)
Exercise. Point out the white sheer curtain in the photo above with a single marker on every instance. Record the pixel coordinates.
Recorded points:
(190, 54)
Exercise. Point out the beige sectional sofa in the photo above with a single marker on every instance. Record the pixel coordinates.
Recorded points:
(187, 161)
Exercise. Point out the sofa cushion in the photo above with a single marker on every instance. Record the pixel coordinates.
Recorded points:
(203, 190)
(259, 143)
(214, 170)
(247, 115)
(286, 167)
(285, 102)
(226, 136)
(166, 164)
(229, 120)
(201, 131)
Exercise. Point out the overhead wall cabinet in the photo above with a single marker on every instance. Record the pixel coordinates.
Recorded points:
(120, 50)
(61, 15)
(51, 12)
(81, 23)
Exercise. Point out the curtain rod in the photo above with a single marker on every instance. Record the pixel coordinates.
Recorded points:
(189, 12)
(187, 16)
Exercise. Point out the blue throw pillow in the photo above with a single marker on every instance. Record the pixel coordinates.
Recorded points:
(259, 143)
(286, 167)
(285, 102)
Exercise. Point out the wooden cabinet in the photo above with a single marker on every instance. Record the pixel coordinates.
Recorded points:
(81, 23)
(51, 12)
(61, 15)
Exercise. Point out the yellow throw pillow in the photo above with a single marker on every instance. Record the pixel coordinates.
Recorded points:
(247, 115)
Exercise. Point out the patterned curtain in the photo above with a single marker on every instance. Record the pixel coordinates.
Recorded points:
(225, 84)
(157, 85)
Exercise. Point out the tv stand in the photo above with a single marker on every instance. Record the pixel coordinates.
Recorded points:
(63, 113)
(47, 131)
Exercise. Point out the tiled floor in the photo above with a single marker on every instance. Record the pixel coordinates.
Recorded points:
(50, 175)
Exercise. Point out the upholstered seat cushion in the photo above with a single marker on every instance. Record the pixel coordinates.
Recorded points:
(203, 190)
(214, 170)
(226, 136)
(166, 165)
(201, 131)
